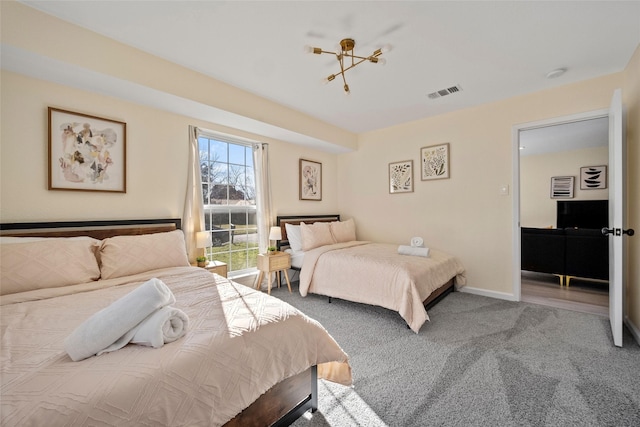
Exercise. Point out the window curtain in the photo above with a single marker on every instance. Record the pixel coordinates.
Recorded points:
(263, 194)
(193, 215)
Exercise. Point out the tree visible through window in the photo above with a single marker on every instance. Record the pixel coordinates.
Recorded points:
(228, 190)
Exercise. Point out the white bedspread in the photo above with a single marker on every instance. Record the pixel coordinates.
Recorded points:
(239, 343)
(374, 273)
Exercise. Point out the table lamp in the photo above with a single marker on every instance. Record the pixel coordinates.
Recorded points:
(275, 233)
(203, 241)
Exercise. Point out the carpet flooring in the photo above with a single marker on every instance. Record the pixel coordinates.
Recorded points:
(479, 362)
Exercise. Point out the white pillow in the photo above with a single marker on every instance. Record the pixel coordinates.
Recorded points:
(315, 235)
(294, 236)
(343, 231)
(127, 255)
(47, 263)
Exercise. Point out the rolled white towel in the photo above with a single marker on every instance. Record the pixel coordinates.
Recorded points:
(417, 242)
(410, 250)
(164, 325)
(106, 326)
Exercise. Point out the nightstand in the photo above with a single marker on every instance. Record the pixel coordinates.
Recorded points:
(218, 267)
(274, 263)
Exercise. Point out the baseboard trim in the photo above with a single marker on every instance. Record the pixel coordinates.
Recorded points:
(487, 293)
(635, 331)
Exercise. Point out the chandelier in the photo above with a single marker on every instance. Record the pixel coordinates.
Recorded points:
(348, 59)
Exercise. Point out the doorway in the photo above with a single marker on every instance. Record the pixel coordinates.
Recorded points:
(558, 147)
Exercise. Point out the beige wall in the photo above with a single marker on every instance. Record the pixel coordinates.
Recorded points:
(157, 156)
(631, 100)
(537, 208)
(464, 215)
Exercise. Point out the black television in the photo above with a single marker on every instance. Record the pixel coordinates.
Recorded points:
(583, 214)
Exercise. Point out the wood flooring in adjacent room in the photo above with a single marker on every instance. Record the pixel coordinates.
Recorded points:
(581, 295)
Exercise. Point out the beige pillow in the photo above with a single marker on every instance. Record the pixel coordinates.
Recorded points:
(315, 235)
(127, 255)
(343, 231)
(47, 263)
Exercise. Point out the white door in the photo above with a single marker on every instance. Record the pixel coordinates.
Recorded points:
(617, 147)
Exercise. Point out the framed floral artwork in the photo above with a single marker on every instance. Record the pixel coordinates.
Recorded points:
(86, 153)
(434, 162)
(401, 177)
(310, 180)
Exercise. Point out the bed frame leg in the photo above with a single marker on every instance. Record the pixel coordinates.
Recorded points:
(329, 300)
(314, 388)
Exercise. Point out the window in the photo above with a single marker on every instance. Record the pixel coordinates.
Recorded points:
(228, 193)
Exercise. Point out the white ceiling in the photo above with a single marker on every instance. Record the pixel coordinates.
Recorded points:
(492, 49)
(565, 137)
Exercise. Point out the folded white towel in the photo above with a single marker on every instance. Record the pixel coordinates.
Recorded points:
(417, 242)
(410, 250)
(163, 326)
(105, 327)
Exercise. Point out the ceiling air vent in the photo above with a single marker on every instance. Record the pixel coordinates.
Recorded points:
(444, 92)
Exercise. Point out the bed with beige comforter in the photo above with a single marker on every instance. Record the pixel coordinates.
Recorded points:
(239, 343)
(374, 273)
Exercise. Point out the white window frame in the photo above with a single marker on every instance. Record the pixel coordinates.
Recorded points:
(248, 210)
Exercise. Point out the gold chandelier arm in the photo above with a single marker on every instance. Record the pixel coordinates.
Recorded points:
(355, 64)
(319, 51)
(362, 58)
(342, 70)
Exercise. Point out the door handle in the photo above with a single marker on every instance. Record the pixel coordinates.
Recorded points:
(618, 232)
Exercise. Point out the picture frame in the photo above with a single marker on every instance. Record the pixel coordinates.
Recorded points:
(434, 162)
(401, 177)
(562, 187)
(593, 177)
(86, 153)
(310, 180)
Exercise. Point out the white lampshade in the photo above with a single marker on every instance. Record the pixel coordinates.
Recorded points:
(275, 233)
(203, 239)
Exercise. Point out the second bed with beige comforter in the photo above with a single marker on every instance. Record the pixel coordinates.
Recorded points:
(374, 273)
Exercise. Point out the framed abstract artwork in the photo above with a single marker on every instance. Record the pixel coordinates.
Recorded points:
(593, 177)
(434, 162)
(310, 180)
(86, 153)
(562, 187)
(401, 177)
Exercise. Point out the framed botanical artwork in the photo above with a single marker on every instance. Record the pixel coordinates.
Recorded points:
(434, 162)
(401, 177)
(86, 153)
(562, 187)
(310, 180)
(593, 177)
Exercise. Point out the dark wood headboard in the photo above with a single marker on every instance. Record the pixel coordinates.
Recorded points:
(96, 229)
(281, 220)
